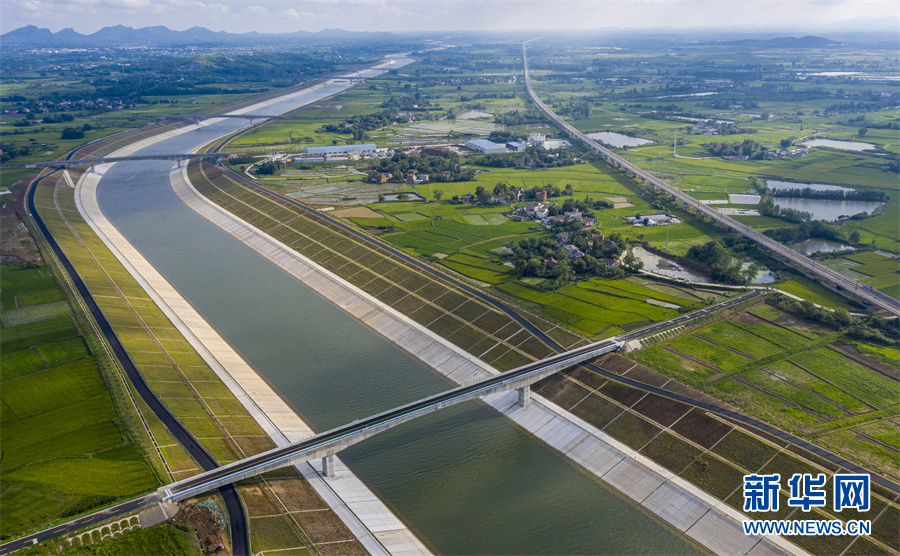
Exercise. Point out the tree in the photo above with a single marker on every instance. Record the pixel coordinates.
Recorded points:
(854, 237)
(438, 193)
(862, 131)
(785, 143)
(72, 133)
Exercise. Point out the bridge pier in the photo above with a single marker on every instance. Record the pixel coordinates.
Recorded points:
(524, 396)
(328, 466)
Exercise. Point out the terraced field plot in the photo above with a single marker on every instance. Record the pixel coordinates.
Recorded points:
(796, 375)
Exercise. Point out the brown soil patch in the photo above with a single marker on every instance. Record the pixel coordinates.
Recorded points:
(207, 524)
(297, 495)
(357, 212)
(662, 410)
(16, 242)
(256, 501)
(622, 394)
(750, 319)
(701, 428)
(322, 526)
(349, 548)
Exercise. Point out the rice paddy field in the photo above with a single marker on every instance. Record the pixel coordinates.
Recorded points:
(63, 439)
(797, 375)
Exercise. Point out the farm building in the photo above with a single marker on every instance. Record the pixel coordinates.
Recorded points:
(485, 146)
(343, 149)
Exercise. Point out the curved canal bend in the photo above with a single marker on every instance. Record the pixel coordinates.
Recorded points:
(465, 479)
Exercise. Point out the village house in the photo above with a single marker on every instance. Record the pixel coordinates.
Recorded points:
(573, 252)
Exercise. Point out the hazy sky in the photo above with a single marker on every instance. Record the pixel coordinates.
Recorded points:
(87, 16)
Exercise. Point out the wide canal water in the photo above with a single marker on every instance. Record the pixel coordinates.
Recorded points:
(465, 479)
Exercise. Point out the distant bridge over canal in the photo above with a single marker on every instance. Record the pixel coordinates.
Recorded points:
(111, 159)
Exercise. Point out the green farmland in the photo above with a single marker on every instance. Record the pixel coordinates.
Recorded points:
(63, 441)
(795, 374)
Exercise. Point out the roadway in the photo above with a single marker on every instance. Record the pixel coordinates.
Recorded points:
(235, 510)
(285, 455)
(878, 299)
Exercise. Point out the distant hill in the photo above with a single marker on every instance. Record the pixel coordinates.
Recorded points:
(159, 35)
(787, 42)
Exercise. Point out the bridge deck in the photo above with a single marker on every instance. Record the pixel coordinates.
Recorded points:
(331, 442)
(111, 159)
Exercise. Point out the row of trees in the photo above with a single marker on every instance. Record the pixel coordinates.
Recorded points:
(875, 195)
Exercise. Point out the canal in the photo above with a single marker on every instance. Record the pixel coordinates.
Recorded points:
(464, 479)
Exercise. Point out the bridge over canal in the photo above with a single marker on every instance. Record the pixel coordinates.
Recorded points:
(325, 445)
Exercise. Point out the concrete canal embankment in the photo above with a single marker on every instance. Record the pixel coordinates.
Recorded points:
(699, 516)
(377, 528)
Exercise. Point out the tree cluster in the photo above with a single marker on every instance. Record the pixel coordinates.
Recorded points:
(366, 122)
(767, 207)
(721, 266)
(808, 229)
(531, 256)
(748, 148)
(538, 157)
(519, 118)
(443, 167)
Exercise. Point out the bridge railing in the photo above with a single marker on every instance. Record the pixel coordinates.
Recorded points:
(331, 442)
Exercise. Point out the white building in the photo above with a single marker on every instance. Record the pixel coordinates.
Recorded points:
(342, 149)
(485, 146)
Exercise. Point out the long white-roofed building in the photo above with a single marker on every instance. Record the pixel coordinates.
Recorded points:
(485, 146)
(343, 149)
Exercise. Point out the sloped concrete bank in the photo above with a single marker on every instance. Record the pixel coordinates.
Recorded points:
(707, 521)
(376, 527)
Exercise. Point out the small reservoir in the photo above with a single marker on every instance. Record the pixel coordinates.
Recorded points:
(666, 266)
(618, 140)
(843, 145)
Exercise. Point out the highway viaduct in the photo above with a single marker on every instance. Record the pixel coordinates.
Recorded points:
(325, 445)
(867, 294)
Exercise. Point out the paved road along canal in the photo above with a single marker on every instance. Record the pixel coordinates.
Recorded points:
(465, 479)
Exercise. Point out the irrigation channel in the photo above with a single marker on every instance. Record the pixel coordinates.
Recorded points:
(465, 479)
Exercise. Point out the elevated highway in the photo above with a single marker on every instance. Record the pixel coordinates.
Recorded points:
(867, 294)
(326, 444)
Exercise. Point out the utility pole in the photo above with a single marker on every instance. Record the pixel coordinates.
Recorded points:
(668, 221)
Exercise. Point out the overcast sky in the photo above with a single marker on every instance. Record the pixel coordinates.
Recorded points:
(87, 16)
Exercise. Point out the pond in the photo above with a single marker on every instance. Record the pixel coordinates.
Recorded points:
(618, 140)
(814, 245)
(473, 115)
(666, 266)
(827, 210)
(409, 197)
(743, 199)
(843, 145)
